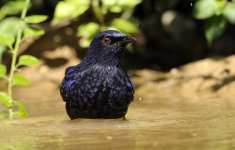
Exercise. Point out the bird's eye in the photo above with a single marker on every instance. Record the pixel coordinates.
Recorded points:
(106, 40)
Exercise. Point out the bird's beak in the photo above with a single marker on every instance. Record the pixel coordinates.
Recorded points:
(127, 40)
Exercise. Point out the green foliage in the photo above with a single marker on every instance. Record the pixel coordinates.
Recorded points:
(216, 13)
(36, 19)
(69, 9)
(3, 71)
(204, 9)
(125, 26)
(99, 12)
(214, 27)
(12, 32)
(22, 110)
(10, 25)
(8, 30)
(5, 99)
(229, 12)
(20, 80)
(31, 32)
(28, 60)
(88, 29)
(87, 32)
(7, 40)
(11, 8)
(118, 6)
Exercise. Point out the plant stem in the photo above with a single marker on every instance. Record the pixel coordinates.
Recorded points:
(14, 54)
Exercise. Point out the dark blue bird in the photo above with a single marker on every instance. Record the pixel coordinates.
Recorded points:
(98, 87)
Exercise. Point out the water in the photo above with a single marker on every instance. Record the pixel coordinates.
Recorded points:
(163, 123)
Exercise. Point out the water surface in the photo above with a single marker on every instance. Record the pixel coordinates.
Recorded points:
(162, 123)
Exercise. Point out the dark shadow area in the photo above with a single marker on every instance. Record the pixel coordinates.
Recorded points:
(54, 63)
(223, 83)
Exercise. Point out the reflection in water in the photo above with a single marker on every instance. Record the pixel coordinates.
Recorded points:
(164, 124)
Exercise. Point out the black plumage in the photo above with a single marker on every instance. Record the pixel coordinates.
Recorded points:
(98, 87)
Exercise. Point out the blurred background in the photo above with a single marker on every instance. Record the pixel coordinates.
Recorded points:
(182, 66)
(170, 34)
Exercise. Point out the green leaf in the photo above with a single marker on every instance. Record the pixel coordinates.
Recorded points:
(12, 8)
(20, 80)
(22, 110)
(112, 5)
(109, 3)
(214, 27)
(229, 12)
(69, 9)
(125, 4)
(87, 32)
(3, 71)
(7, 40)
(204, 9)
(31, 32)
(117, 6)
(10, 26)
(112, 28)
(36, 18)
(28, 60)
(5, 99)
(99, 14)
(125, 26)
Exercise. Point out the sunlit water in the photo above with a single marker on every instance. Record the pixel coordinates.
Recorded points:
(174, 124)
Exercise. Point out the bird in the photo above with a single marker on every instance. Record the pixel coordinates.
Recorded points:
(97, 87)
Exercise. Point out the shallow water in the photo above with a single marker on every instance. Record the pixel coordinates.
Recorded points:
(164, 123)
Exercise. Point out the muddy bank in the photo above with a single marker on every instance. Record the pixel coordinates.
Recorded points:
(211, 77)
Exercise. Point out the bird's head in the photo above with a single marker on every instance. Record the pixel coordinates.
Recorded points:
(110, 41)
(106, 48)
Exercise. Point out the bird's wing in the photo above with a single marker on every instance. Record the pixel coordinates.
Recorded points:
(84, 85)
(120, 85)
(68, 81)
